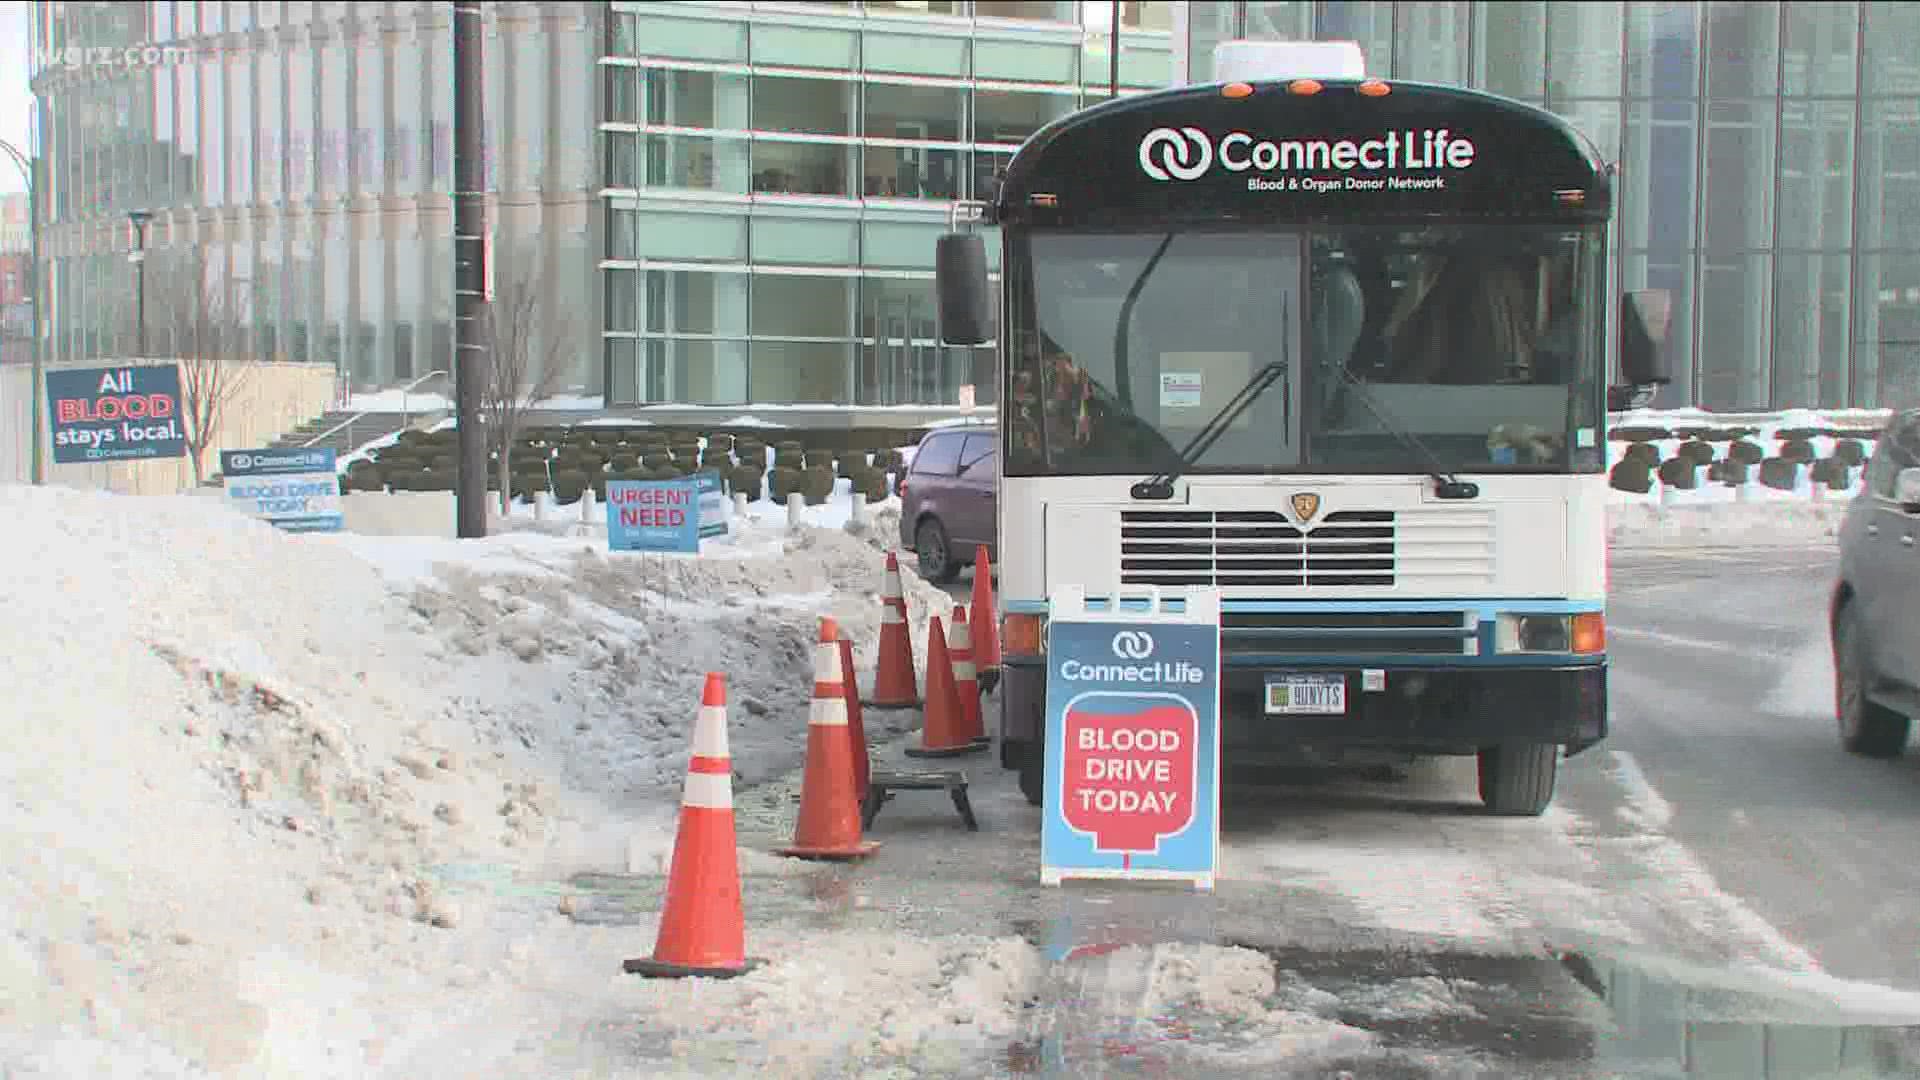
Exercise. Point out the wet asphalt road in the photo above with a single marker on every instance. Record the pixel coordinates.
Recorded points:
(1722, 695)
(1720, 825)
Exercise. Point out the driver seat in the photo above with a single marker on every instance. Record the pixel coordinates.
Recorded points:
(1339, 308)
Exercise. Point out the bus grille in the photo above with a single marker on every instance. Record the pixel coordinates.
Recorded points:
(1257, 548)
(1347, 633)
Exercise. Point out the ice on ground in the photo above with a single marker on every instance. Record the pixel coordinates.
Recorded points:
(1204, 1005)
(1805, 688)
(1643, 807)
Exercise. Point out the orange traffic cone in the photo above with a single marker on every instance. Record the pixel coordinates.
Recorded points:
(965, 682)
(856, 724)
(893, 685)
(829, 825)
(703, 924)
(944, 733)
(986, 621)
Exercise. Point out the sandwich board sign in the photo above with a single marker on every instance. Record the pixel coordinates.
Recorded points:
(1132, 776)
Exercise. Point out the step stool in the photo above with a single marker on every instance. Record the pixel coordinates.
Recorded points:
(882, 787)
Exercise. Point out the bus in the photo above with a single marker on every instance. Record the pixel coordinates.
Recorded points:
(1338, 347)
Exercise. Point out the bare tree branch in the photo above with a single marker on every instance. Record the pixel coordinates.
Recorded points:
(523, 370)
(210, 347)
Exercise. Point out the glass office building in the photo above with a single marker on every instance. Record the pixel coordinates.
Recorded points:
(737, 202)
(777, 175)
(297, 159)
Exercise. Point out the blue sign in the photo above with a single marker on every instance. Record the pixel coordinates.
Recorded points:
(1133, 743)
(115, 414)
(296, 489)
(653, 515)
(713, 503)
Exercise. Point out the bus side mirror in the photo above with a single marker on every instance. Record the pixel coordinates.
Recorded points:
(962, 297)
(1645, 315)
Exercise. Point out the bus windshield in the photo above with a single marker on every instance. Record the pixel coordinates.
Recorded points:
(1482, 342)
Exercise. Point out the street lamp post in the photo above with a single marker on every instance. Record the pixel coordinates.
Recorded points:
(29, 171)
(138, 257)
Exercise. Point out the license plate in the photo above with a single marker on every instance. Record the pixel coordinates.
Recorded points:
(1313, 695)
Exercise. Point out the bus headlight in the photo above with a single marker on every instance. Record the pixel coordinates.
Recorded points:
(1585, 633)
(1023, 635)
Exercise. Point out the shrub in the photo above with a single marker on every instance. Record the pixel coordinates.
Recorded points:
(817, 484)
(1631, 475)
(1639, 434)
(1746, 452)
(782, 482)
(1797, 450)
(746, 478)
(1779, 473)
(1729, 472)
(873, 484)
(1680, 472)
(1700, 453)
(1833, 472)
(1644, 453)
(568, 484)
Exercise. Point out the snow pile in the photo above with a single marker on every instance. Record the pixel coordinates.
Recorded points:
(842, 1006)
(225, 778)
(594, 661)
(1219, 1006)
(1737, 525)
(1419, 997)
(245, 770)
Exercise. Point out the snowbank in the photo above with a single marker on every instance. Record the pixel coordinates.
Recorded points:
(240, 763)
(592, 660)
(1772, 524)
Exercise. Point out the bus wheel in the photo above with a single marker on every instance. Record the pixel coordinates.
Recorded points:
(1033, 772)
(1518, 781)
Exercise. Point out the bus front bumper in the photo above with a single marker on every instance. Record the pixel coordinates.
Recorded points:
(1439, 710)
(1418, 710)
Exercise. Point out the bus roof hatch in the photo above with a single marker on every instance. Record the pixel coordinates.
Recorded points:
(1252, 61)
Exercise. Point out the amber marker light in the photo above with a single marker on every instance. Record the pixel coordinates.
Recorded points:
(1374, 88)
(1303, 87)
(1236, 90)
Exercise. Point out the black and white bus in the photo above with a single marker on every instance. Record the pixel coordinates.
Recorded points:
(1337, 346)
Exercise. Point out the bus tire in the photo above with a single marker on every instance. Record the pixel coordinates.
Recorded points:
(1033, 772)
(1518, 780)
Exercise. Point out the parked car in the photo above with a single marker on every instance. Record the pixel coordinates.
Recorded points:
(1875, 625)
(948, 500)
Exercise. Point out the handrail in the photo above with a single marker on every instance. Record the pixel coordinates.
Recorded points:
(406, 413)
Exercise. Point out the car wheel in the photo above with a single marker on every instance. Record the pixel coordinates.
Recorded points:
(1866, 728)
(1518, 781)
(936, 555)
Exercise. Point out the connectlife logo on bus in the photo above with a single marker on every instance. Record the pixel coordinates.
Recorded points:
(1176, 153)
(1187, 153)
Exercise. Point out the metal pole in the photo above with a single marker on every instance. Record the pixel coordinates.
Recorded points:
(469, 277)
(1113, 58)
(140, 307)
(36, 281)
(30, 170)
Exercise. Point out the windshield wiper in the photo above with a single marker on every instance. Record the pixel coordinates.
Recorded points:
(1161, 486)
(1445, 484)
(1122, 373)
